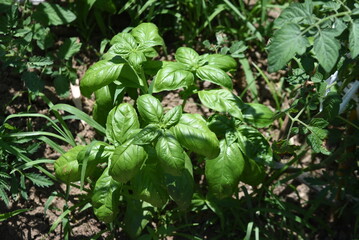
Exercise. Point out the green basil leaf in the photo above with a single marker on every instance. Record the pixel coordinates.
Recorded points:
(146, 34)
(105, 198)
(120, 121)
(123, 44)
(254, 145)
(253, 173)
(220, 124)
(98, 153)
(135, 59)
(221, 61)
(223, 172)
(137, 216)
(222, 100)
(180, 188)
(150, 108)
(67, 166)
(172, 117)
(173, 76)
(258, 115)
(147, 135)
(149, 186)
(104, 103)
(101, 74)
(149, 52)
(129, 78)
(170, 155)
(188, 56)
(127, 161)
(214, 75)
(193, 133)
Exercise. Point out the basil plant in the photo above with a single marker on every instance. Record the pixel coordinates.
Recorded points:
(149, 153)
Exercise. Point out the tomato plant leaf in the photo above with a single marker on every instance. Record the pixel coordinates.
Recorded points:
(354, 38)
(295, 13)
(287, 41)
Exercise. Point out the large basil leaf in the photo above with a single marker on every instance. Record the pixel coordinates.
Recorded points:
(129, 78)
(150, 108)
(171, 155)
(146, 34)
(258, 115)
(123, 44)
(149, 186)
(105, 198)
(223, 62)
(101, 74)
(104, 103)
(127, 161)
(253, 173)
(188, 56)
(172, 117)
(180, 188)
(173, 76)
(214, 75)
(222, 100)
(254, 145)
(223, 172)
(67, 166)
(193, 133)
(120, 121)
(220, 124)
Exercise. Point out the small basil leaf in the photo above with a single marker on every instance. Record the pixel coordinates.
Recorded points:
(221, 61)
(258, 115)
(149, 186)
(188, 56)
(254, 145)
(223, 172)
(146, 34)
(120, 121)
(97, 154)
(67, 166)
(105, 198)
(136, 59)
(127, 161)
(101, 74)
(172, 117)
(214, 75)
(193, 133)
(146, 135)
(171, 155)
(173, 76)
(150, 108)
(222, 100)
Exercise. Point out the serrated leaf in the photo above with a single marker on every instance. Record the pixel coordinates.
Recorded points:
(101, 74)
(326, 48)
(331, 105)
(105, 198)
(39, 180)
(295, 13)
(38, 61)
(214, 75)
(193, 133)
(173, 76)
(149, 186)
(33, 82)
(69, 48)
(120, 121)
(223, 172)
(354, 38)
(222, 100)
(126, 161)
(150, 108)
(171, 155)
(3, 195)
(319, 122)
(172, 117)
(254, 145)
(317, 144)
(286, 43)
